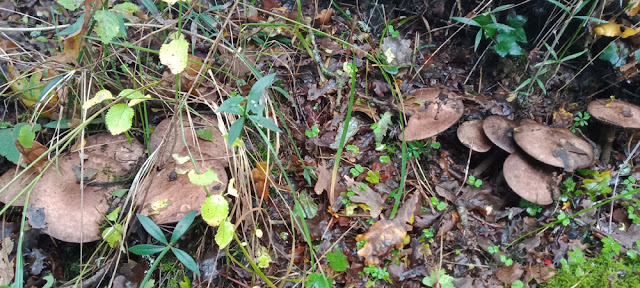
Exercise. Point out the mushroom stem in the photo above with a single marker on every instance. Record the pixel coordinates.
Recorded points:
(606, 140)
(486, 163)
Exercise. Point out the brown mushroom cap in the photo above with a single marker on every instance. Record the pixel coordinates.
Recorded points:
(59, 194)
(470, 134)
(557, 147)
(432, 111)
(177, 194)
(500, 131)
(616, 112)
(531, 182)
(16, 187)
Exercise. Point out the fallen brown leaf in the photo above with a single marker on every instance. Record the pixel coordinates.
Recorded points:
(367, 196)
(29, 155)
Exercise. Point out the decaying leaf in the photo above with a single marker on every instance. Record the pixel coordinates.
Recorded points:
(29, 155)
(385, 235)
(323, 17)
(6, 265)
(635, 8)
(260, 178)
(324, 179)
(367, 196)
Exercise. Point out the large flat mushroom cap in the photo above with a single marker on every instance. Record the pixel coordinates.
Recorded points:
(215, 149)
(616, 112)
(16, 187)
(59, 195)
(470, 134)
(432, 111)
(557, 147)
(500, 131)
(531, 183)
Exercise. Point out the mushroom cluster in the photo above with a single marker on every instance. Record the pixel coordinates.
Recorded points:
(615, 114)
(63, 208)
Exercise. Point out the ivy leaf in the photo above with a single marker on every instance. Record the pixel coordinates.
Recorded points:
(317, 280)
(26, 136)
(224, 234)
(107, 25)
(215, 210)
(175, 53)
(119, 118)
(611, 54)
(338, 260)
(204, 179)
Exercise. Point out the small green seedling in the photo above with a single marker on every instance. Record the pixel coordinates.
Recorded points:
(154, 230)
(356, 170)
(580, 120)
(439, 205)
(353, 148)
(376, 273)
(564, 218)
(494, 249)
(507, 261)
(373, 177)
(475, 182)
(313, 132)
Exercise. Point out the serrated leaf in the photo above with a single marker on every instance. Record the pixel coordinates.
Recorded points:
(26, 136)
(70, 5)
(508, 48)
(204, 134)
(146, 249)
(224, 235)
(317, 280)
(102, 95)
(107, 25)
(152, 228)
(204, 179)
(112, 234)
(254, 100)
(119, 118)
(338, 260)
(235, 130)
(183, 226)
(215, 210)
(175, 54)
(186, 260)
(265, 122)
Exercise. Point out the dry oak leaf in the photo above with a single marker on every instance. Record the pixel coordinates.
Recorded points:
(366, 195)
(385, 235)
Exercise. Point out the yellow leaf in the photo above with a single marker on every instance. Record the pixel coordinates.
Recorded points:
(100, 96)
(175, 53)
(610, 29)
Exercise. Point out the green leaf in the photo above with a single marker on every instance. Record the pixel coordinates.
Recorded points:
(146, 249)
(383, 126)
(508, 48)
(119, 192)
(235, 130)
(70, 5)
(560, 5)
(113, 216)
(306, 205)
(26, 136)
(592, 19)
(175, 54)
(440, 277)
(73, 27)
(215, 210)
(152, 228)
(49, 87)
(465, 20)
(64, 124)
(204, 134)
(112, 234)
(107, 25)
(204, 179)
(183, 226)
(317, 280)
(130, 94)
(611, 54)
(126, 7)
(224, 235)
(253, 101)
(576, 55)
(150, 6)
(231, 105)
(541, 85)
(119, 118)
(265, 122)
(338, 260)
(186, 260)
(50, 281)
(477, 41)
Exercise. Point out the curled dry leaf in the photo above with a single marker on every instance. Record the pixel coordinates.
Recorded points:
(367, 196)
(178, 195)
(385, 235)
(323, 17)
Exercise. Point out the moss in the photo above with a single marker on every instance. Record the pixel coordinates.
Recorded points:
(602, 271)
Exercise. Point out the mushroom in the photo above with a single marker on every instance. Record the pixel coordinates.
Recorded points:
(500, 131)
(470, 134)
(68, 212)
(557, 147)
(615, 113)
(531, 181)
(432, 111)
(169, 195)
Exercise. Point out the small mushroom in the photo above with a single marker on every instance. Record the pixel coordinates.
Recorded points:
(432, 111)
(615, 113)
(470, 134)
(557, 147)
(531, 181)
(168, 199)
(70, 213)
(500, 131)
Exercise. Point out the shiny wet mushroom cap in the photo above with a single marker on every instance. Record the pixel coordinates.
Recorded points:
(432, 111)
(530, 181)
(500, 131)
(557, 147)
(470, 134)
(616, 112)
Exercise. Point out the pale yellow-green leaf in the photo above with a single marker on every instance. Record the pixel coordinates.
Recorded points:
(134, 102)
(100, 96)
(119, 118)
(180, 159)
(130, 94)
(160, 204)
(175, 54)
(263, 259)
(215, 210)
(112, 234)
(107, 25)
(204, 179)
(224, 234)
(231, 190)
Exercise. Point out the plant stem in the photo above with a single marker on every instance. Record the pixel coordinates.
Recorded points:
(155, 265)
